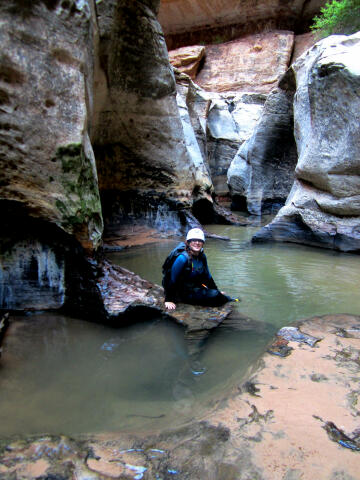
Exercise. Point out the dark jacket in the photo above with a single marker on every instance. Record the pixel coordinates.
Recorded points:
(187, 274)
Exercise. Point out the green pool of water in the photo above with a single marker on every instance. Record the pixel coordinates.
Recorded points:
(63, 375)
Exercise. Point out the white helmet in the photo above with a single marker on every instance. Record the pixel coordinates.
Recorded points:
(195, 234)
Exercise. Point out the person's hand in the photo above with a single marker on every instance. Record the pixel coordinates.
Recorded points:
(170, 306)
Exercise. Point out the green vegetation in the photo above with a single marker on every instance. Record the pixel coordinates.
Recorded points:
(338, 16)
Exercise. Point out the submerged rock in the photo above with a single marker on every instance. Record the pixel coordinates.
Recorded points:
(196, 318)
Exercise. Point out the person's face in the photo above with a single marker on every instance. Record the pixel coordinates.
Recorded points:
(196, 246)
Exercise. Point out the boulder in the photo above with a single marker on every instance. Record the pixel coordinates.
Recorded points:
(323, 206)
(252, 63)
(261, 174)
(187, 59)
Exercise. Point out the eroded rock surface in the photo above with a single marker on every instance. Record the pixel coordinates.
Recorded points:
(302, 408)
(47, 161)
(252, 63)
(142, 156)
(189, 22)
(187, 59)
(261, 174)
(220, 124)
(323, 206)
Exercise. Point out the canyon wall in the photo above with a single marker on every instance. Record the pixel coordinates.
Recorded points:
(323, 206)
(142, 156)
(262, 173)
(49, 196)
(190, 22)
(80, 77)
(94, 125)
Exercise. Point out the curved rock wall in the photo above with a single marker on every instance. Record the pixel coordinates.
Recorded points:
(138, 132)
(262, 173)
(323, 206)
(47, 161)
(102, 78)
(49, 196)
(220, 122)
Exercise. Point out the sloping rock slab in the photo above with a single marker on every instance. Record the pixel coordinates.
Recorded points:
(122, 290)
(123, 294)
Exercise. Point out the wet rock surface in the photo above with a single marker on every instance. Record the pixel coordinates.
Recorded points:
(293, 417)
(48, 165)
(120, 295)
(143, 159)
(197, 318)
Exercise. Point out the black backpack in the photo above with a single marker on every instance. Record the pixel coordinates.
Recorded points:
(170, 259)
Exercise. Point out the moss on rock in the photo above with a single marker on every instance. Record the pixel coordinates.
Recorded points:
(80, 206)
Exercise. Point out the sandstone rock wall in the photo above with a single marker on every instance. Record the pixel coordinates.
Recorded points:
(221, 123)
(191, 22)
(323, 206)
(49, 197)
(252, 63)
(47, 162)
(138, 134)
(262, 173)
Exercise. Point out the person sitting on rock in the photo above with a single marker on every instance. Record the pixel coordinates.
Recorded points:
(189, 279)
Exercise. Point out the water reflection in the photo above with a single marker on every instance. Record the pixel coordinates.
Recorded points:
(277, 283)
(63, 375)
